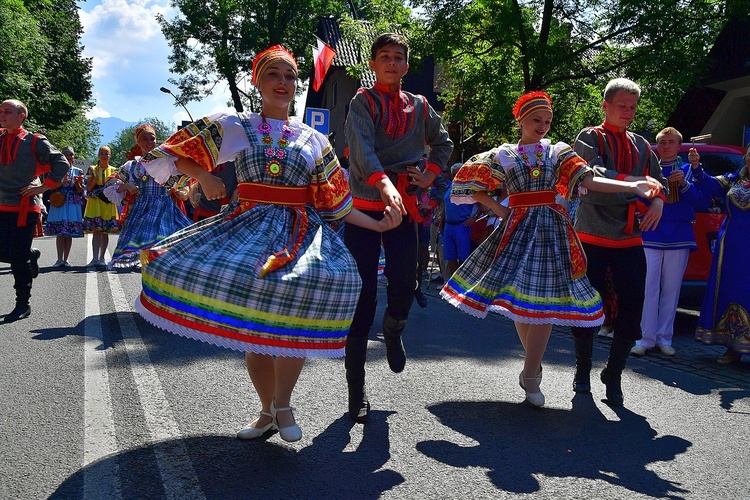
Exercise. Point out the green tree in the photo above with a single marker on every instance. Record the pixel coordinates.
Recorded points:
(124, 141)
(41, 60)
(494, 50)
(214, 41)
(22, 49)
(80, 133)
(68, 84)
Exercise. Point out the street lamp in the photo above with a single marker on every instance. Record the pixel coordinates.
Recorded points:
(167, 91)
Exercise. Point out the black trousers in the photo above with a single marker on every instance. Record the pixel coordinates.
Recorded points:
(628, 267)
(400, 244)
(15, 249)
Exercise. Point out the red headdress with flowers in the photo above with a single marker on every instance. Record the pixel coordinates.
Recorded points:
(531, 102)
(136, 150)
(271, 55)
(146, 127)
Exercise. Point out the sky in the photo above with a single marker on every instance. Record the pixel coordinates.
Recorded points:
(130, 63)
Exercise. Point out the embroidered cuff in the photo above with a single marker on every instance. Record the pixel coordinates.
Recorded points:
(374, 178)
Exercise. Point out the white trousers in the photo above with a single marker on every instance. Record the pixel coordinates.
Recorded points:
(664, 271)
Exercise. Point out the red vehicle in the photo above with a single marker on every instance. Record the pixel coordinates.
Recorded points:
(716, 159)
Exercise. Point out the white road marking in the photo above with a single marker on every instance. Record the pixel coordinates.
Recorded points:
(99, 439)
(178, 476)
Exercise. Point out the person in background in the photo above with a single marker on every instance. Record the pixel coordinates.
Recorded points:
(610, 232)
(387, 130)
(724, 315)
(65, 220)
(456, 227)
(23, 156)
(534, 271)
(100, 217)
(668, 246)
(268, 276)
(151, 214)
(427, 201)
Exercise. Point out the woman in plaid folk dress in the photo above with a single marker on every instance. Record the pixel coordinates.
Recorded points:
(153, 215)
(532, 271)
(267, 275)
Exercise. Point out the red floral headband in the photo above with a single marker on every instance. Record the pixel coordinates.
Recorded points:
(269, 56)
(531, 102)
(146, 127)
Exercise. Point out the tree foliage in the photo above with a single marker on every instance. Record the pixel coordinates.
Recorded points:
(41, 60)
(494, 50)
(80, 133)
(124, 141)
(214, 41)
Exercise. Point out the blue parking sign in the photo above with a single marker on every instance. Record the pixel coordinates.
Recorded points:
(319, 119)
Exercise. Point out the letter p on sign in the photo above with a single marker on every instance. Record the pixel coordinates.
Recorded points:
(319, 119)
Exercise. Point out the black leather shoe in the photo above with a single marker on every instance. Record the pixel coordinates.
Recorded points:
(34, 261)
(20, 312)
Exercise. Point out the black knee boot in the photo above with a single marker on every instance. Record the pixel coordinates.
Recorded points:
(356, 354)
(612, 373)
(394, 347)
(584, 350)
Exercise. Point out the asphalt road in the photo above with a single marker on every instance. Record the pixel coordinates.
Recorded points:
(95, 403)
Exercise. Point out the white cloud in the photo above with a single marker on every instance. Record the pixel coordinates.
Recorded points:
(97, 112)
(130, 63)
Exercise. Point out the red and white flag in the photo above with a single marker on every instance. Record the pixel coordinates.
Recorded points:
(323, 56)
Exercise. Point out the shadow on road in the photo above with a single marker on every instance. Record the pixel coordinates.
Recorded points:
(264, 468)
(516, 442)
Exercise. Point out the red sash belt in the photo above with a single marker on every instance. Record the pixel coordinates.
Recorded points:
(23, 211)
(253, 192)
(531, 199)
(409, 200)
(294, 197)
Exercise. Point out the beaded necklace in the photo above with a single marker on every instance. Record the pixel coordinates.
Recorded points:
(277, 154)
(140, 171)
(536, 169)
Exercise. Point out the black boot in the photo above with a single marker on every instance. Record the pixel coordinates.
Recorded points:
(612, 373)
(356, 354)
(584, 350)
(34, 262)
(21, 311)
(394, 347)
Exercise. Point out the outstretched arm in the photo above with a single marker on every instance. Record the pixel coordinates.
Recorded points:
(391, 218)
(646, 187)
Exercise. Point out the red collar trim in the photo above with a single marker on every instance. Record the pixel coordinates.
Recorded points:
(385, 89)
(613, 129)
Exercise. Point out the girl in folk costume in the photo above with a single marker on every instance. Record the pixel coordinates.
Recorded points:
(100, 217)
(532, 270)
(266, 276)
(152, 215)
(65, 220)
(725, 317)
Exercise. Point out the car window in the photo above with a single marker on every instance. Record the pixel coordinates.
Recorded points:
(718, 163)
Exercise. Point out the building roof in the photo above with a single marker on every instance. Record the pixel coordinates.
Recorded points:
(348, 53)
